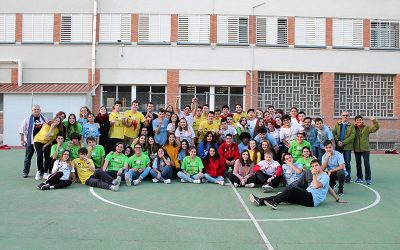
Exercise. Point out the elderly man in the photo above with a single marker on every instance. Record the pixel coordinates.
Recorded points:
(30, 126)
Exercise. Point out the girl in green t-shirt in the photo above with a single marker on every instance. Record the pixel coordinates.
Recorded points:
(191, 167)
(305, 159)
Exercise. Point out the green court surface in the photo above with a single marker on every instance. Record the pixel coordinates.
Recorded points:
(190, 216)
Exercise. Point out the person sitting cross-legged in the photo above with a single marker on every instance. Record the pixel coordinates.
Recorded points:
(191, 168)
(137, 167)
(161, 170)
(268, 172)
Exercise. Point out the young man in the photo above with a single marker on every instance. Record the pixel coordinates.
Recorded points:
(90, 176)
(333, 161)
(251, 121)
(225, 112)
(117, 122)
(311, 135)
(95, 152)
(362, 147)
(291, 171)
(150, 116)
(57, 149)
(73, 145)
(264, 136)
(323, 134)
(239, 113)
(160, 128)
(271, 111)
(296, 146)
(186, 113)
(30, 126)
(115, 161)
(310, 196)
(198, 118)
(229, 151)
(288, 132)
(244, 145)
(344, 133)
(137, 167)
(217, 116)
(226, 129)
(208, 125)
(133, 120)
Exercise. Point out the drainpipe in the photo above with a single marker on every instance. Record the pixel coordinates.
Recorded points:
(94, 35)
(19, 64)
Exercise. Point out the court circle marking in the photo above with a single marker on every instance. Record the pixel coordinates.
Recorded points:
(376, 202)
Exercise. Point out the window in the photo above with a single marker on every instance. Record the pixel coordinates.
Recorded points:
(154, 29)
(364, 94)
(228, 96)
(114, 27)
(194, 29)
(154, 94)
(37, 28)
(7, 28)
(271, 31)
(384, 34)
(201, 92)
(233, 30)
(117, 93)
(76, 28)
(347, 32)
(310, 31)
(287, 89)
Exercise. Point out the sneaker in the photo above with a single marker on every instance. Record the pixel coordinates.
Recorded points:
(203, 180)
(128, 180)
(45, 187)
(37, 176)
(250, 185)
(236, 185)
(254, 199)
(154, 180)
(45, 176)
(340, 192)
(198, 181)
(348, 180)
(221, 183)
(41, 185)
(117, 181)
(358, 180)
(267, 188)
(271, 204)
(136, 182)
(183, 181)
(24, 175)
(167, 181)
(114, 188)
(369, 182)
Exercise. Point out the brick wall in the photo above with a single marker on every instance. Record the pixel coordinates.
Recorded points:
(327, 96)
(14, 76)
(174, 28)
(328, 32)
(249, 93)
(366, 33)
(291, 27)
(213, 28)
(135, 28)
(57, 28)
(1, 123)
(172, 85)
(252, 29)
(18, 27)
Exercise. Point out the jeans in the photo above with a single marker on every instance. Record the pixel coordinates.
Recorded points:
(365, 156)
(166, 173)
(29, 150)
(191, 178)
(211, 179)
(320, 153)
(136, 175)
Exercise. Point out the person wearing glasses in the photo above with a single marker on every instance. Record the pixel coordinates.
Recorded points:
(137, 167)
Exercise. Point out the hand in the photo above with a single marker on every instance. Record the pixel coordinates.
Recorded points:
(270, 179)
(22, 143)
(339, 143)
(242, 183)
(372, 118)
(340, 201)
(140, 170)
(329, 173)
(159, 175)
(200, 175)
(119, 172)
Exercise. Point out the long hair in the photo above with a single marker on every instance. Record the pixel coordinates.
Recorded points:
(213, 140)
(257, 127)
(187, 148)
(167, 142)
(152, 148)
(102, 117)
(187, 125)
(69, 162)
(208, 157)
(243, 162)
(177, 120)
(160, 159)
(69, 125)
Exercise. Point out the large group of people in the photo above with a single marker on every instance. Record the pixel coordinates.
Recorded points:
(251, 149)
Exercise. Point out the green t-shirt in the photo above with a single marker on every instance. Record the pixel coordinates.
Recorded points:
(139, 162)
(192, 166)
(72, 129)
(296, 149)
(305, 163)
(115, 161)
(97, 154)
(73, 150)
(60, 150)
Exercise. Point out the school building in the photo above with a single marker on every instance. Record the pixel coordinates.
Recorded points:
(320, 56)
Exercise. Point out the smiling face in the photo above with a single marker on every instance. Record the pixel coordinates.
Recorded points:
(160, 152)
(288, 159)
(171, 139)
(345, 116)
(182, 123)
(245, 155)
(119, 148)
(65, 156)
(142, 139)
(192, 153)
(212, 152)
(306, 152)
(252, 145)
(103, 110)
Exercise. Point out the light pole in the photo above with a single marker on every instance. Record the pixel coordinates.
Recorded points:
(252, 51)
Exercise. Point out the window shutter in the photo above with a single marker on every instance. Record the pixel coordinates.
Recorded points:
(194, 29)
(385, 34)
(114, 27)
(66, 28)
(154, 28)
(310, 31)
(7, 28)
(271, 31)
(347, 32)
(76, 28)
(233, 30)
(37, 28)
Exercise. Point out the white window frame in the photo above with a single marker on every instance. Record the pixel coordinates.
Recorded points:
(154, 29)
(194, 29)
(228, 30)
(115, 28)
(37, 28)
(310, 32)
(347, 33)
(76, 28)
(7, 28)
(394, 38)
(269, 31)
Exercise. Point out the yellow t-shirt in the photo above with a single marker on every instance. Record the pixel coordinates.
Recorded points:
(135, 120)
(258, 158)
(41, 135)
(205, 127)
(83, 169)
(236, 116)
(117, 129)
(196, 123)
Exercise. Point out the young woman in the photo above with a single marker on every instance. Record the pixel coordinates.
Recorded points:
(152, 148)
(207, 142)
(172, 150)
(144, 142)
(260, 124)
(104, 126)
(72, 126)
(83, 113)
(184, 151)
(91, 129)
(191, 168)
(42, 144)
(161, 170)
(60, 175)
(243, 174)
(184, 132)
(173, 124)
(128, 151)
(214, 167)
(305, 159)
(63, 129)
(278, 121)
(242, 126)
(170, 108)
(255, 155)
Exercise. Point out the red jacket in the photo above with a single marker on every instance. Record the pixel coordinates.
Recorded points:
(229, 152)
(215, 168)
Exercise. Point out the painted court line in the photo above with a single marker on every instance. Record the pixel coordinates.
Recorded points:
(376, 202)
(260, 231)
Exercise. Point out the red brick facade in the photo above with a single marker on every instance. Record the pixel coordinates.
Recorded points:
(327, 96)
(14, 76)
(291, 27)
(249, 93)
(174, 28)
(57, 28)
(135, 28)
(213, 28)
(18, 27)
(328, 33)
(172, 85)
(366, 33)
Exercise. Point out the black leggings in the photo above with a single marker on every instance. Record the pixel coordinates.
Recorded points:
(262, 179)
(100, 179)
(293, 194)
(234, 179)
(40, 154)
(54, 180)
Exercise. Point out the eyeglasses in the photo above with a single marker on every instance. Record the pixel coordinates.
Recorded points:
(346, 115)
(138, 147)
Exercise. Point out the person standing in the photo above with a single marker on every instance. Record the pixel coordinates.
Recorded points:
(362, 147)
(30, 126)
(150, 116)
(344, 133)
(160, 125)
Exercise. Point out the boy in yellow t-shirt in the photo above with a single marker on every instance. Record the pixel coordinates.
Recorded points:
(117, 121)
(209, 125)
(132, 123)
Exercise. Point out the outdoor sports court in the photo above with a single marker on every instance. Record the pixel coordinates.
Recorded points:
(190, 216)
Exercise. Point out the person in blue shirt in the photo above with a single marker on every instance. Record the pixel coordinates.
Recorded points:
(207, 142)
(160, 127)
(244, 138)
(291, 171)
(311, 135)
(323, 134)
(333, 161)
(310, 196)
(264, 136)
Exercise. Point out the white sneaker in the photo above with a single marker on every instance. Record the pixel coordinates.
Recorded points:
(250, 185)
(183, 181)
(128, 180)
(267, 188)
(136, 182)
(155, 180)
(37, 176)
(45, 176)
(114, 188)
(220, 183)
(236, 185)
(167, 181)
(198, 181)
(117, 181)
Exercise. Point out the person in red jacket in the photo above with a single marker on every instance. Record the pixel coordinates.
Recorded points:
(229, 151)
(214, 166)
(268, 172)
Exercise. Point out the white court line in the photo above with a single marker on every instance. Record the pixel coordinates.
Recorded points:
(260, 231)
(376, 202)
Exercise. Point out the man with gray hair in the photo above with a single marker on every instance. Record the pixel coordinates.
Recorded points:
(30, 126)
